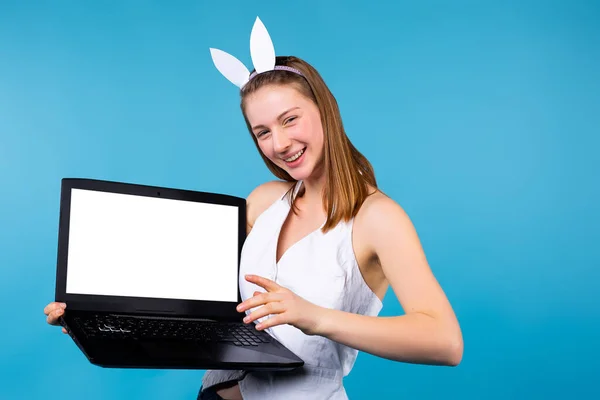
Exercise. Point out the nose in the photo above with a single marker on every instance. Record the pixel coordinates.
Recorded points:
(281, 141)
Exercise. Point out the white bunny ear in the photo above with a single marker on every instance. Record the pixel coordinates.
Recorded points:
(231, 68)
(261, 48)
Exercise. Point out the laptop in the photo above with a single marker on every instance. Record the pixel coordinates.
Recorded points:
(150, 278)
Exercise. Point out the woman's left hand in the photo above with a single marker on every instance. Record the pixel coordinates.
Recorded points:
(284, 306)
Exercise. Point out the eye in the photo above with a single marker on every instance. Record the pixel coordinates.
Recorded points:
(290, 119)
(259, 134)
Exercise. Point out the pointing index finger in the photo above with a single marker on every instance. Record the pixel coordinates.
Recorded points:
(268, 284)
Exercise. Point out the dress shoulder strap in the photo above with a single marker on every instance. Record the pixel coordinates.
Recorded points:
(297, 187)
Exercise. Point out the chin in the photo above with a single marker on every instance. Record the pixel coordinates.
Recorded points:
(299, 174)
(302, 173)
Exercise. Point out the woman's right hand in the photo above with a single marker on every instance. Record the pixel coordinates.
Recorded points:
(53, 312)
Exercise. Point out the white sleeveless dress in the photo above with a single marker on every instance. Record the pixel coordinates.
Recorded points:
(322, 269)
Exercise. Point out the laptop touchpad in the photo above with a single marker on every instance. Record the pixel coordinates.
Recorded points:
(172, 350)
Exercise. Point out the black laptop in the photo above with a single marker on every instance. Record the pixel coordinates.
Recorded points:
(150, 279)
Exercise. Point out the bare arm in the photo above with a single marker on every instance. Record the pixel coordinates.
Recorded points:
(429, 332)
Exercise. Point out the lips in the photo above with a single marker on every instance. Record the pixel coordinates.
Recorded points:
(295, 156)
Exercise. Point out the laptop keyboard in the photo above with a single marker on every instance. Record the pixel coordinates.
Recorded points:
(129, 327)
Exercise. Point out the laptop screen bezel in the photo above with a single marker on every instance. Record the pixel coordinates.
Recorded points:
(214, 310)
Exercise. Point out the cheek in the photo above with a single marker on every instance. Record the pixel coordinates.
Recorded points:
(265, 148)
(305, 132)
(313, 132)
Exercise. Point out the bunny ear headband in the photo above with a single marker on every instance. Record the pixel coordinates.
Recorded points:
(261, 51)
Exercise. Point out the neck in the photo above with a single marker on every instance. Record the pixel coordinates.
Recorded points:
(313, 190)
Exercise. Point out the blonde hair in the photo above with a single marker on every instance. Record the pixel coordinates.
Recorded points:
(348, 172)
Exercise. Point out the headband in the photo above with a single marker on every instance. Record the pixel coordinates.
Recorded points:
(261, 51)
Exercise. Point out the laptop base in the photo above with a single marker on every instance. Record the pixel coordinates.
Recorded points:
(113, 349)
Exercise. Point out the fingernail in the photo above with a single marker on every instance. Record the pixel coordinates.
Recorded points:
(63, 305)
(239, 308)
(246, 319)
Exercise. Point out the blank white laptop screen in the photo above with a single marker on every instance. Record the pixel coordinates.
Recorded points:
(126, 245)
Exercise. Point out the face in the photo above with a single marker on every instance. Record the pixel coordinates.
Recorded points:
(288, 129)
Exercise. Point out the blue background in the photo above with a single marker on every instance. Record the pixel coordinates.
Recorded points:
(481, 119)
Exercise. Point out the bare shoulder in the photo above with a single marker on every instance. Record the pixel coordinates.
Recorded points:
(378, 207)
(262, 197)
(379, 217)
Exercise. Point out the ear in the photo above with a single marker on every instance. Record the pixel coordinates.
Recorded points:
(231, 68)
(261, 48)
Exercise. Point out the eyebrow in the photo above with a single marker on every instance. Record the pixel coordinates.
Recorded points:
(279, 117)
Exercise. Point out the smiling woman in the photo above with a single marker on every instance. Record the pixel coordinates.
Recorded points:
(323, 247)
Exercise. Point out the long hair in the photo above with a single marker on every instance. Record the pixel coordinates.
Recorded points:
(348, 172)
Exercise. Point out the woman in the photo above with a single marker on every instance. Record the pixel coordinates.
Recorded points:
(323, 247)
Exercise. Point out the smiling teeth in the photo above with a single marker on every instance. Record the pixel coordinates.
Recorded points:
(295, 156)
